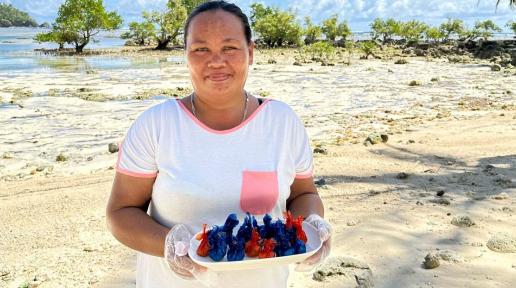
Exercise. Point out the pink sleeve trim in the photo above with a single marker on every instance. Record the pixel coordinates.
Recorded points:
(127, 172)
(139, 175)
(305, 175)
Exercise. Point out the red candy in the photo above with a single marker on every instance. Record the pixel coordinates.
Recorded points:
(298, 224)
(289, 219)
(252, 247)
(267, 249)
(204, 247)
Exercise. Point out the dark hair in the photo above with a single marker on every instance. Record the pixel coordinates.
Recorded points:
(222, 5)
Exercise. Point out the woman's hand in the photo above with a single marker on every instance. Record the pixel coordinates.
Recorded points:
(325, 231)
(177, 244)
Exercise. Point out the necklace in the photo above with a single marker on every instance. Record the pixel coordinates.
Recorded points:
(246, 99)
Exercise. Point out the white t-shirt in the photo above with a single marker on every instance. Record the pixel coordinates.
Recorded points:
(203, 175)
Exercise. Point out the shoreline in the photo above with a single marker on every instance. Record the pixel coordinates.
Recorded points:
(338, 104)
(498, 51)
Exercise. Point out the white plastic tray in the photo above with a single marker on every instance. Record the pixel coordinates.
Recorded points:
(312, 246)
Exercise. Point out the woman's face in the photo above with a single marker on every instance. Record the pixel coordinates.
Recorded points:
(217, 53)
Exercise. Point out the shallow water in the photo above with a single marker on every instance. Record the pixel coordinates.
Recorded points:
(17, 55)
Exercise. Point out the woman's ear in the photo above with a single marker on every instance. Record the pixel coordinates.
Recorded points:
(251, 53)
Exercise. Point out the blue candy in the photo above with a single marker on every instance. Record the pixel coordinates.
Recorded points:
(299, 247)
(266, 230)
(236, 250)
(246, 230)
(283, 247)
(231, 223)
(218, 244)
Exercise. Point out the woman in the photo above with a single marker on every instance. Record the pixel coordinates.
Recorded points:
(218, 151)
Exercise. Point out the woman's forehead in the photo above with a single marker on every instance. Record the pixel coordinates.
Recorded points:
(216, 24)
(226, 40)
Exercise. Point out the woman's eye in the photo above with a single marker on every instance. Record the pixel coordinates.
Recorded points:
(200, 49)
(229, 48)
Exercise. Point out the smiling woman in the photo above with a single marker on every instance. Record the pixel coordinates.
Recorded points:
(218, 55)
(221, 150)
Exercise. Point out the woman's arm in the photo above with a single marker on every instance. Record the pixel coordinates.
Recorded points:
(127, 216)
(304, 199)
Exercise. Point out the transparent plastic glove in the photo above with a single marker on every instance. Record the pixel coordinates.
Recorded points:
(325, 231)
(177, 244)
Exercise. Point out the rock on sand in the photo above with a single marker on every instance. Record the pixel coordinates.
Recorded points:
(502, 243)
(343, 271)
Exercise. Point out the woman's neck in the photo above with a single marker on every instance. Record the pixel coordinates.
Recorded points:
(223, 112)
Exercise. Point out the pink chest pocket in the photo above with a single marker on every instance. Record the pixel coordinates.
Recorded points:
(259, 192)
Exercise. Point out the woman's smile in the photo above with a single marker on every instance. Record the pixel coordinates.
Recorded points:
(218, 77)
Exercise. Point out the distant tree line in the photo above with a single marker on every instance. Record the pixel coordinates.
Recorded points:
(10, 16)
(79, 21)
(414, 31)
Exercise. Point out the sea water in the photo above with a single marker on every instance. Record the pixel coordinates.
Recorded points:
(18, 55)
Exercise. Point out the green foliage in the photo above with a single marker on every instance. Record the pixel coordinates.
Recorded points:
(163, 26)
(384, 29)
(482, 29)
(5, 23)
(512, 25)
(191, 4)
(368, 48)
(10, 16)
(348, 47)
(78, 21)
(169, 23)
(332, 29)
(452, 28)
(377, 28)
(141, 33)
(344, 31)
(259, 11)
(58, 35)
(393, 26)
(62, 158)
(434, 33)
(413, 31)
(329, 28)
(320, 51)
(312, 32)
(486, 28)
(276, 28)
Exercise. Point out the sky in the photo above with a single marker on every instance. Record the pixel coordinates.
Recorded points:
(358, 13)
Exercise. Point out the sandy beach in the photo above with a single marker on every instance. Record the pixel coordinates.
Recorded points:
(444, 183)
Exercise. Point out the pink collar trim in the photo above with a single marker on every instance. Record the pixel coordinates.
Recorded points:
(202, 125)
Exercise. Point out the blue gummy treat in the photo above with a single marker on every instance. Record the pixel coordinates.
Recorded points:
(236, 250)
(299, 247)
(266, 230)
(218, 244)
(283, 247)
(246, 230)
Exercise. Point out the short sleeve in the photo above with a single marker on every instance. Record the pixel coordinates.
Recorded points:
(136, 154)
(303, 156)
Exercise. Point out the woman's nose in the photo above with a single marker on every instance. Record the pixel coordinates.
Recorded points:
(217, 60)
